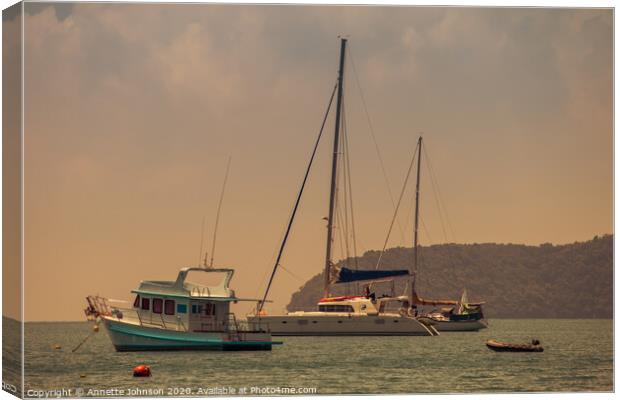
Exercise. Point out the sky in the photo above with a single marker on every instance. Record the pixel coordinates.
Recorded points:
(131, 112)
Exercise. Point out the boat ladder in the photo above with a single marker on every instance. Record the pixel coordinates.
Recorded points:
(233, 328)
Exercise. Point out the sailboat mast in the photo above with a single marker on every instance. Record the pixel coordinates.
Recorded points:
(332, 192)
(417, 215)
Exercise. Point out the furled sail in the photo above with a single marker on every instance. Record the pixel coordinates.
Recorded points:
(464, 302)
(344, 274)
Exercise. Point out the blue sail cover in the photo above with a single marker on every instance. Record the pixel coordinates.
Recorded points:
(344, 274)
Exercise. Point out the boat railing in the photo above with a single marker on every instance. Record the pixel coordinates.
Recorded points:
(97, 306)
(155, 320)
(100, 306)
(232, 325)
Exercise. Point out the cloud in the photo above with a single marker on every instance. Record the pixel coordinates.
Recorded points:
(132, 110)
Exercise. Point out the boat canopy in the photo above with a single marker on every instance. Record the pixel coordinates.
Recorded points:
(344, 274)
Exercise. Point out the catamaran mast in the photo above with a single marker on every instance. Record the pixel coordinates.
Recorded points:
(417, 214)
(332, 192)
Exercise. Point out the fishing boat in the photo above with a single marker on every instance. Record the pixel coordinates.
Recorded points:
(533, 347)
(363, 314)
(180, 315)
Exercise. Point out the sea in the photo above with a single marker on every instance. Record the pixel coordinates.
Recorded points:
(578, 357)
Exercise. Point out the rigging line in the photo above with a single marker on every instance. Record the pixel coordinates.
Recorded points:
(348, 169)
(343, 254)
(436, 198)
(440, 206)
(202, 238)
(409, 220)
(402, 192)
(293, 275)
(445, 210)
(374, 140)
(409, 223)
(344, 223)
(301, 191)
(219, 208)
(272, 259)
(428, 235)
(351, 234)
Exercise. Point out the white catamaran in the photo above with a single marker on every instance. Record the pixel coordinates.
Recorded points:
(344, 315)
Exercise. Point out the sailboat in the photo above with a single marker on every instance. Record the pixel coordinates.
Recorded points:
(461, 315)
(364, 314)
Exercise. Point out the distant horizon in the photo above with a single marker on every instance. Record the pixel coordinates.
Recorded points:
(401, 247)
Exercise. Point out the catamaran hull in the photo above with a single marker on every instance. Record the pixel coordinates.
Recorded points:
(316, 325)
(131, 337)
(457, 326)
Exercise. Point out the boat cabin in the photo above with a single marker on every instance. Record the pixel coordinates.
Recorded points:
(363, 305)
(186, 306)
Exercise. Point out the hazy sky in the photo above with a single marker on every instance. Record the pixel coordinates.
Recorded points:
(132, 111)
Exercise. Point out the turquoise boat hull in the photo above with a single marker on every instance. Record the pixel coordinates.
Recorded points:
(126, 336)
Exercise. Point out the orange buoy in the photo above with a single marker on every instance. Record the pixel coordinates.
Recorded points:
(142, 371)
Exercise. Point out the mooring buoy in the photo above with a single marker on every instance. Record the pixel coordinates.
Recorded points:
(142, 371)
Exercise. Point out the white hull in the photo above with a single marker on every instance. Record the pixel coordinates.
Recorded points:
(334, 324)
(457, 326)
(127, 336)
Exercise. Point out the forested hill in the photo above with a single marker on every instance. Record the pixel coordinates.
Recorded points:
(516, 281)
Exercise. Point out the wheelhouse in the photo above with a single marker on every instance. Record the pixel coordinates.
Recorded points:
(187, 306)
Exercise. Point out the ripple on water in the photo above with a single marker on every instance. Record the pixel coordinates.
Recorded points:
(578, 357)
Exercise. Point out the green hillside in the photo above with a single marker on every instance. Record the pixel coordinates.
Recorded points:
(516, 281)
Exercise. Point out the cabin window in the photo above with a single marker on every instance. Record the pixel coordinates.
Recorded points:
(209, 309)
(146, 303)
(136, 302)
(196, 308)
(157, 305)
(169, 307)
(335, 308)
(181, 308)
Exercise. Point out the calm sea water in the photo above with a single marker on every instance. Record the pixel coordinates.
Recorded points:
(578, 357)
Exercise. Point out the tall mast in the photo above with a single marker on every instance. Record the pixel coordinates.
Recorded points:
(332, 192)
(417, 214)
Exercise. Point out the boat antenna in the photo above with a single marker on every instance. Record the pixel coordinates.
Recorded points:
(296, 206)
(202, 238)
(219, 208)
(332, 192)
(415, 229)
